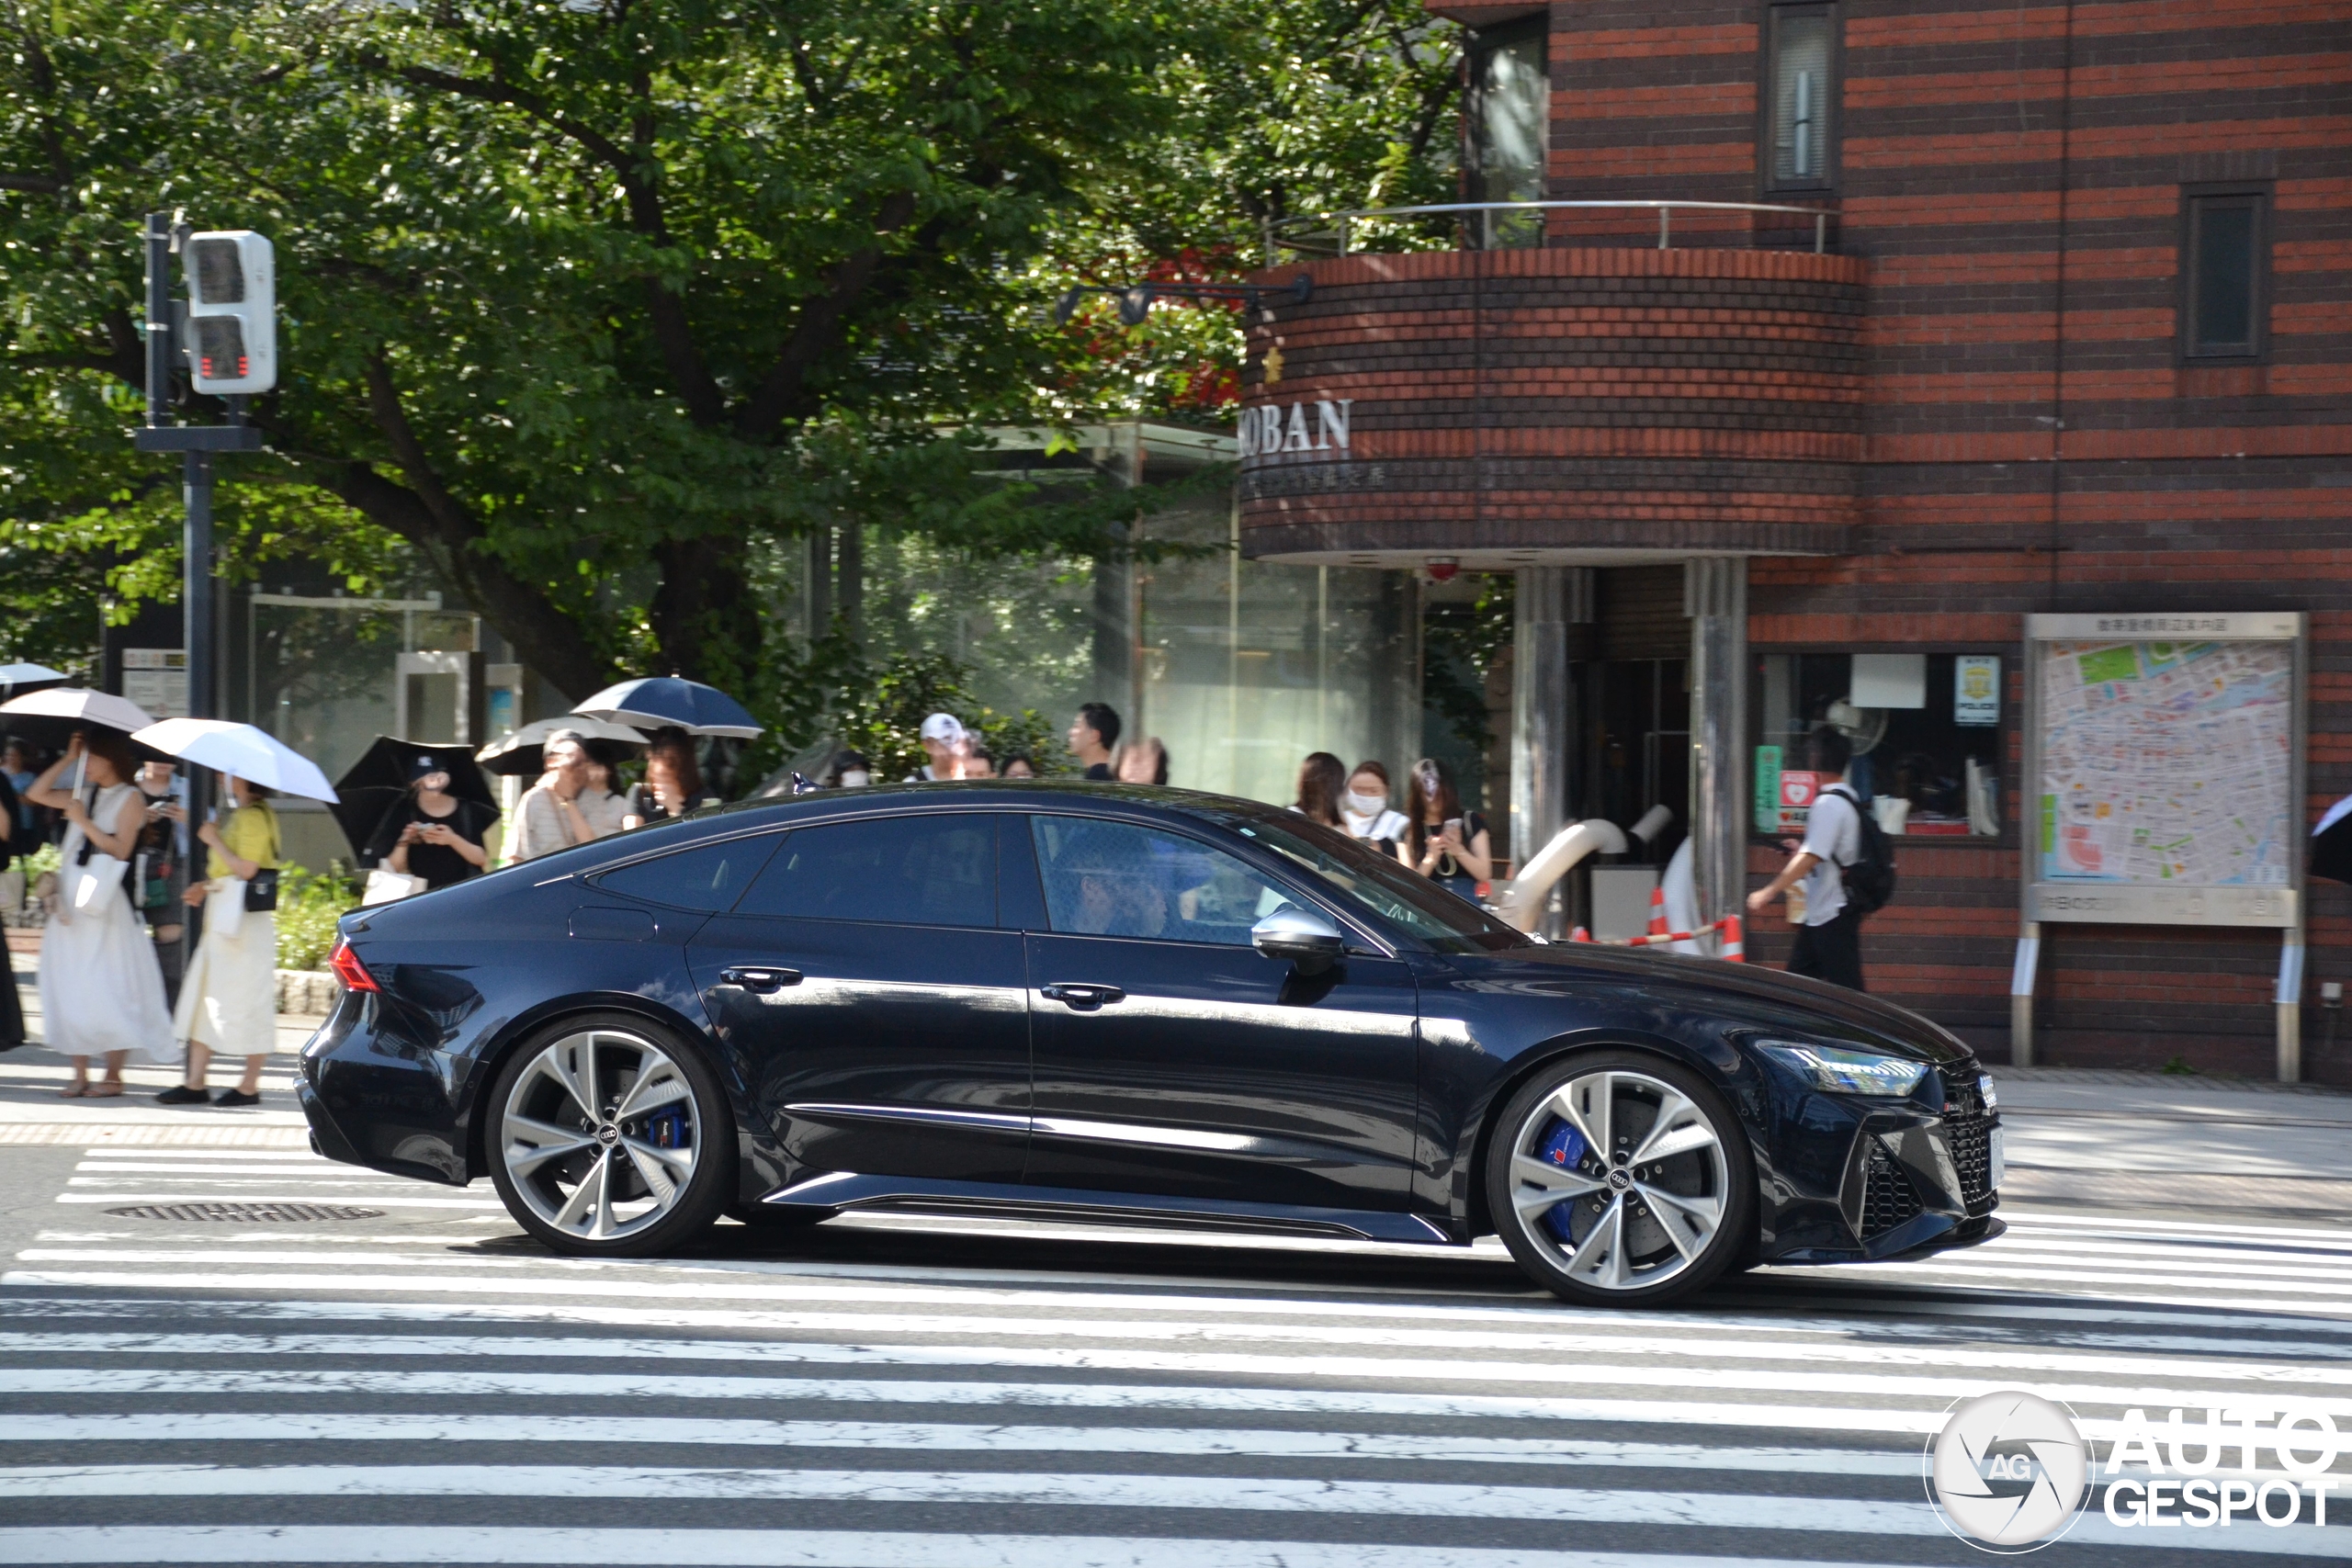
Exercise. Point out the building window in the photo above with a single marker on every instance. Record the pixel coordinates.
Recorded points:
(2223, 259)
(1510, 126)
(1801, 97)
(1925, 730)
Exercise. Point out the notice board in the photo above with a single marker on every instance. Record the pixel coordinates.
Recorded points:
(2164, 769)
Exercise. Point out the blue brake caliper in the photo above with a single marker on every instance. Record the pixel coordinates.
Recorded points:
(668, 1127)
(1564, 1147)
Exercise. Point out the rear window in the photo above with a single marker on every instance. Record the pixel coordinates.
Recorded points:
(708, 877)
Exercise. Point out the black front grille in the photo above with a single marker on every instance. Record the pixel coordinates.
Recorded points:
(1971, 1141)
(1962, 1095)
(1888, 1198)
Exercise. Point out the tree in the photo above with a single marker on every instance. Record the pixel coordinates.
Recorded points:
(585, 299)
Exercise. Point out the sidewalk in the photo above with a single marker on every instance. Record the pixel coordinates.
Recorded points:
(2106, 1138)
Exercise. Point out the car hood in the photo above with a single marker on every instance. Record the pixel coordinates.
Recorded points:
(1739, 995)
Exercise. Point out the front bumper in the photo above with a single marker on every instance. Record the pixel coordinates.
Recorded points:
(1915, 1178)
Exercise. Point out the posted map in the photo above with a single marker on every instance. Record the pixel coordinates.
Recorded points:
(2169, 762)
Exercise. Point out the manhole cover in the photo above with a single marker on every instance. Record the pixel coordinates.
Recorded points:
(247, 1213)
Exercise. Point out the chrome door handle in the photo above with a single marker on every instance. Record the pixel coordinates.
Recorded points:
(1086, 999)
(762, 980)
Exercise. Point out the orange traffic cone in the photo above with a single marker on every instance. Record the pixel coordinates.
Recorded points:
(1657, 911)
(1735, 941)
(1579, 934)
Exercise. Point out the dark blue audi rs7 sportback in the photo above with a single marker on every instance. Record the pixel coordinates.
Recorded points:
(1123, 1003)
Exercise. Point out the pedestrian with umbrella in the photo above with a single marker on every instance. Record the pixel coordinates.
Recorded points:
(428, 832)
(228, 1003)
(101, 992)
(673, 783)
(378, 784)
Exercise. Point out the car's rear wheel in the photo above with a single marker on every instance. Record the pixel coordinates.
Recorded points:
(611, 1138)
(1619, 1179)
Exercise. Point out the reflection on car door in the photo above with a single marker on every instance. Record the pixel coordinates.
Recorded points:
(880, 1008)
(1173, 1058)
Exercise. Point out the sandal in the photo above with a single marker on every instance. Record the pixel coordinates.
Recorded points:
(110, 1089)
(75, 1090)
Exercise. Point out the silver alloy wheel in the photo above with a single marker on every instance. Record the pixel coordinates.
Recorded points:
(599, 1134)
(1619, 1179)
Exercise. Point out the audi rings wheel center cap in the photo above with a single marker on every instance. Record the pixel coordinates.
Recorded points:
(609, 1133)
(1621, 1180)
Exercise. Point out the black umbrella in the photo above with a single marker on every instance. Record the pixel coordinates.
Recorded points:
(2332, 843)
(523, 753)
(370, 786)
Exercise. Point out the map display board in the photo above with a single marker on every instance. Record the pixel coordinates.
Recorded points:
(2166, 760)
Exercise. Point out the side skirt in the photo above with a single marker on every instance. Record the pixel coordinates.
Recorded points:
(836, 1191)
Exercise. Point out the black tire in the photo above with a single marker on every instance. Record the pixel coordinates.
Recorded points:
(1599, 1233)
(685, 1129)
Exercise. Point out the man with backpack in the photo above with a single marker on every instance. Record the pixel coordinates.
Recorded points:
(1846, 866)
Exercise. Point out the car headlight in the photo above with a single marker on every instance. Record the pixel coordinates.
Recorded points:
(1842, 1071)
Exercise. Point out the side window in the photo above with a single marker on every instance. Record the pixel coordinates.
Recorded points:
(1801, 96)
(1117, 879)
(708, 877)
(926, 870)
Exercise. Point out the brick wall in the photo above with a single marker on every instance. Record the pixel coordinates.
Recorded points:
(1664, 401)
(2030, 439)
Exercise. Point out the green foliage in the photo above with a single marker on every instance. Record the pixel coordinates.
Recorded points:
(833, 694)
(43, 860)
(309, 904)
(1461, 643)
(586, 305)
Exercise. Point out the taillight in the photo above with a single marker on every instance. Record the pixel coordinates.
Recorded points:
(349, 970)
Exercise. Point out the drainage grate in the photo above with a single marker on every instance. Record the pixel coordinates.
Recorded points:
(247, 1213)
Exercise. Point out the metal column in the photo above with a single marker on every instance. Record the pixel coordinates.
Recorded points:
(1539, 710)
(1714, 595)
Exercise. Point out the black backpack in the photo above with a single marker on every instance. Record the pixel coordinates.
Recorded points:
(1870, 881)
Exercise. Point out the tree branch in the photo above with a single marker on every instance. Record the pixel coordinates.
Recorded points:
(818, 329)
(39, 185)
(424, 513)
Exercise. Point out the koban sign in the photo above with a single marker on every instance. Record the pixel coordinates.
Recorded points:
(1275, 428)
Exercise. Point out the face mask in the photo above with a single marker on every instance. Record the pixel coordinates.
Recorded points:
(857, 778)
(1367, 804)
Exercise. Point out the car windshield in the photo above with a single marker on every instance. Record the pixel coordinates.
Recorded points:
(1444, 920)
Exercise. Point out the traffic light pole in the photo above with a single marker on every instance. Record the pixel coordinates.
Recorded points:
(196, 443)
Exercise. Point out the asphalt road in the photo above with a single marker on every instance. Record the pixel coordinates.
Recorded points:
(411, 1381)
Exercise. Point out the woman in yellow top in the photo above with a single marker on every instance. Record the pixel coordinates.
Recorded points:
(228, 997)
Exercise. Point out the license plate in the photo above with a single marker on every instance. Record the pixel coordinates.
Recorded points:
(1996, 1156)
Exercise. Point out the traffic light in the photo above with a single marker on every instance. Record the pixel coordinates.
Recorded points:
(232, 310)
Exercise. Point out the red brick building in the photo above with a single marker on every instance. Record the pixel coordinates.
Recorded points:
(2073, 334)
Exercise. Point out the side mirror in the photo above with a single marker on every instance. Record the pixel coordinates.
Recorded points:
(1304, 937)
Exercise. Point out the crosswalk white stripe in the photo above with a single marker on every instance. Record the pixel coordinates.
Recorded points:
(1580, 1345)
(175, 1165)
(1940, 1389)
(2057, 1219)
(1118, 1396)
(391, 1198)
(1838, 1515)
(1917, 1324)
(1416, 1499)
(112, 1155)
(211, 1184)
(673, 1547)
(1278, 1443)
(183, 1279)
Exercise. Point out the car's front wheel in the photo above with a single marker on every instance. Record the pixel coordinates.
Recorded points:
(1619, 1179)
(611, 1138)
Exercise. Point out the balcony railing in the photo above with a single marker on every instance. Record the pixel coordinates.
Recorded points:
(1341, 230)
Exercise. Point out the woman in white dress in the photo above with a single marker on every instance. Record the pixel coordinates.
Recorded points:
(101, 992)
(229, 999)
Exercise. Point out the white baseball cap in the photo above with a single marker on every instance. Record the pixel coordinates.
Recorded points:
(942, 727)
